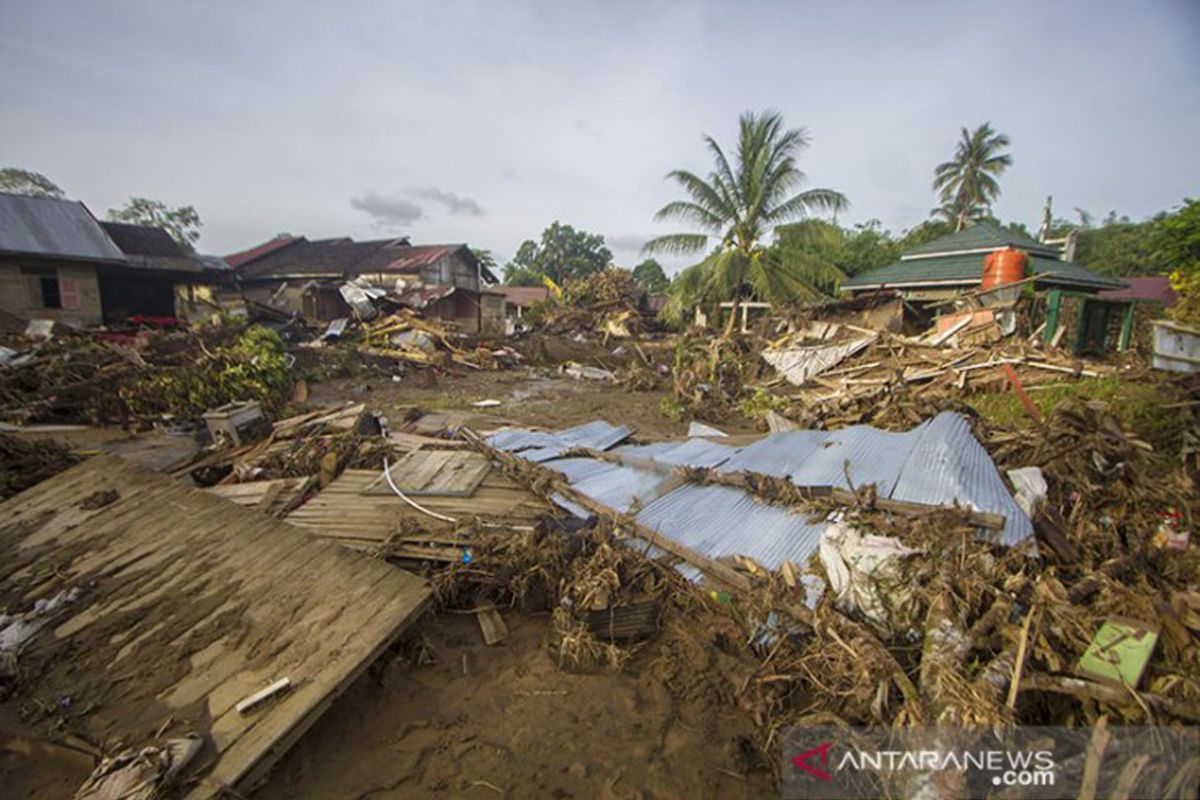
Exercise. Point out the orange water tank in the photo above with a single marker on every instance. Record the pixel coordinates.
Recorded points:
(1003, 266)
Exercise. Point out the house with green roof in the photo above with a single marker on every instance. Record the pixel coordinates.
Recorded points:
(952, 264)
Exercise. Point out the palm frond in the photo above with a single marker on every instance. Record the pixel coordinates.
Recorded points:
(702, 192)
(806, 203)
(687, 211)
(677, 244)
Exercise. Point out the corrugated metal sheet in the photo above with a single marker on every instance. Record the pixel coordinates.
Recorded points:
(539, 446)
(688, 453)
(947, 465)
(720, 521)
(47, 227)
(619, 487)
(937, 463)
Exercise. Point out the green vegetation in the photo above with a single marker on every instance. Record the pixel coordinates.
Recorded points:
(756, 406)
(253, 367)
(486, 259)
(851, 250)
(563, 252)
(182, 223)
(1141, 407)
(23, 181)
(740, 204)
(650, 276)
(1180, 242)
(967, 185)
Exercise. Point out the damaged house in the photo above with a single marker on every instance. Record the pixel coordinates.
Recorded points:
(327, 279)
(979, 268)
(59, 262)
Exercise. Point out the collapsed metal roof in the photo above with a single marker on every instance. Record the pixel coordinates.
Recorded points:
(939, 462)
(44, 226)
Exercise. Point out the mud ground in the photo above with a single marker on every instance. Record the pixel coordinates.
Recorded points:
(514, 725)
(531, 396)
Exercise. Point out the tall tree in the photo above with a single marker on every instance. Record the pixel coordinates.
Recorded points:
(563, 252)
(851, 250)
(182, 223)
(650, 276)
(967, 184)
(1179, 244)
(739, 205)
(34, 184)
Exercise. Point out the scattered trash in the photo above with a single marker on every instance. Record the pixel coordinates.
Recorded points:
(581, 372)
(486, 403)
(237, 423)
(863, 574)
(143, 774)
(255, 701)
(1031, 489)
(1120, 652)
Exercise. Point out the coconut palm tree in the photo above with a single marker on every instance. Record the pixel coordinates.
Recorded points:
(967, 184)
(739, 205)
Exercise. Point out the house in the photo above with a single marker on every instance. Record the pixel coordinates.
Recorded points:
(310, 277)
(1073, 309)
(950, 265)
(519, 299)
(59, 262)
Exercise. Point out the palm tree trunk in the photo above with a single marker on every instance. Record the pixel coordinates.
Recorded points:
(733, 312)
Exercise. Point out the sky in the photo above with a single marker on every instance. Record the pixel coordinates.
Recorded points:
(482, 122)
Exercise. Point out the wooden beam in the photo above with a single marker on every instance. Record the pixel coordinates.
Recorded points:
(744, 479)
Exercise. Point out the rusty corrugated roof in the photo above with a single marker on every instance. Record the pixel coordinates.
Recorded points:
(236, 260)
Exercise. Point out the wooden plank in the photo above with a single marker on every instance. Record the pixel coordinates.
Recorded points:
(343, 512)
(189, 604)
(448, 473)
(491, 625)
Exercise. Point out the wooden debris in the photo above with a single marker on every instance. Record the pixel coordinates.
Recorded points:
(491, 625)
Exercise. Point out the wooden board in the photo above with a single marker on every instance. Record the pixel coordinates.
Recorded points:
(188, 604)
(252, 494)
(453, 473)
(341, 511)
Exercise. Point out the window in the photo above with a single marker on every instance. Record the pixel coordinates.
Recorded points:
(45, 290)
(51, 297)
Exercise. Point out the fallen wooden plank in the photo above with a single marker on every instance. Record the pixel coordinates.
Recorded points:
(1019, 390)
(491, 625)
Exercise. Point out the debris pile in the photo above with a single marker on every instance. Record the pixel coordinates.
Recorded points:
(25, 463)
(711, 376)
(603, 304)
(920, 616)
(407, 337)
(889, 366)
(319, 443)
(97, 378)
(958, 631)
